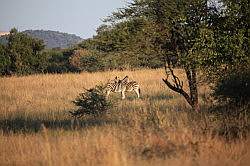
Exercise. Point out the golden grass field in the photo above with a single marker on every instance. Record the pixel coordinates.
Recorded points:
(158, 129)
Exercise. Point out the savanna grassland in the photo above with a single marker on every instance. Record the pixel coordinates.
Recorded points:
(158, 129)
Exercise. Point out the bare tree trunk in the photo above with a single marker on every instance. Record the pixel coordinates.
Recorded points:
(177, 85)
(193, 90)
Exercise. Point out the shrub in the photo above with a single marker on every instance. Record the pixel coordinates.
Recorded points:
(75, 58)
(91, 102)
(58, 61)
(91, 63)
(234, 87)
(4, 61)
(25, 53)
(85, 60)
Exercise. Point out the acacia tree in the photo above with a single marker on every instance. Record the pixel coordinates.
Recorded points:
(117, 44)
(181, 34)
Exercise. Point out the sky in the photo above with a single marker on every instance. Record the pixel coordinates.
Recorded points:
(80, 17)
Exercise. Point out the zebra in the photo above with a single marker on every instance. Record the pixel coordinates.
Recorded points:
(122, 86)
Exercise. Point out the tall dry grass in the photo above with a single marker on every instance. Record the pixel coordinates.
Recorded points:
(157, 129)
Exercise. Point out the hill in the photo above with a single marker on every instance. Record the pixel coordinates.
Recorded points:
(54, 39)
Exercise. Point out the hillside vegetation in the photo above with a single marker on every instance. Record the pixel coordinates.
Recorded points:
(158, 129)
(51, 39)
(54, 39)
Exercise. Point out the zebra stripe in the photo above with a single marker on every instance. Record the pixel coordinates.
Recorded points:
(123, 86)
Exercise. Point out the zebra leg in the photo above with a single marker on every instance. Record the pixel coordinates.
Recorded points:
(108, 92)
(123, 94)
(137, 91)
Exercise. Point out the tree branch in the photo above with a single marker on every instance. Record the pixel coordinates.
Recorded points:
(178, 85)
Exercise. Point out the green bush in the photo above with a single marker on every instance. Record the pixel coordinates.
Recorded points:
(57, 62)
(234, 87)
(85, 60)
(91, 102)
(22, 54)
(91, 63)
(4, 61)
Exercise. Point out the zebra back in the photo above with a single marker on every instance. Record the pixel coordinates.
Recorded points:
(132, 85)
(118, 85)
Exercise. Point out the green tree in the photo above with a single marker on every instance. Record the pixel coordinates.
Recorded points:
(231, 39)
(58, 61)
(229, 68)
(180, 29)
(85, 60)
(4, 61)
(118, 47)
(24, 53)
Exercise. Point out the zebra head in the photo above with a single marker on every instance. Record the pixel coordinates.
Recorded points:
(125, 79)
(116, 80)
